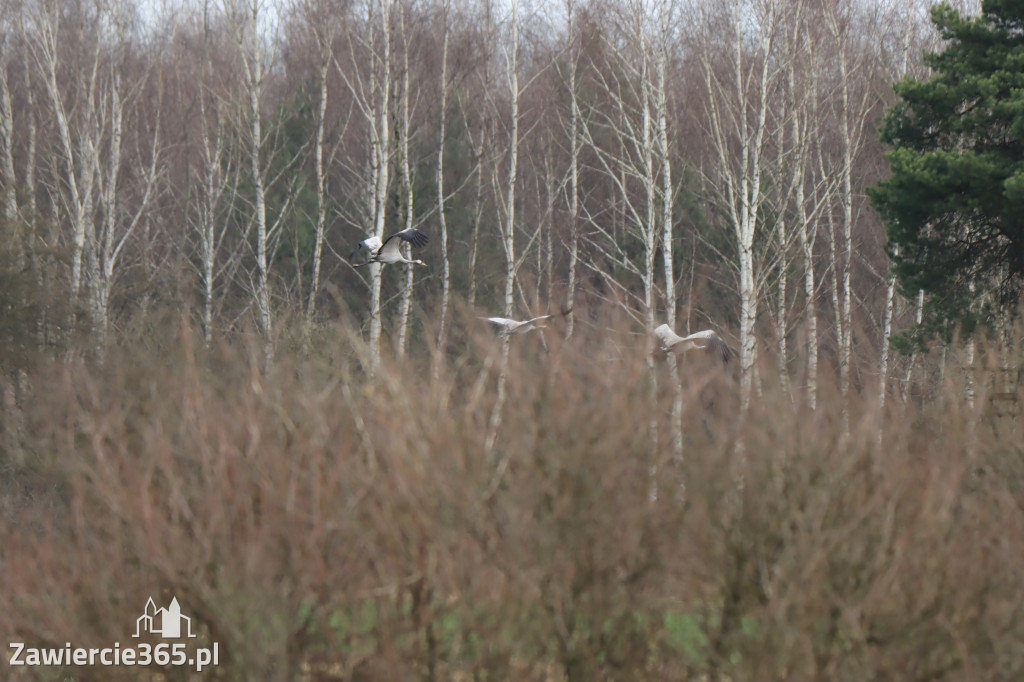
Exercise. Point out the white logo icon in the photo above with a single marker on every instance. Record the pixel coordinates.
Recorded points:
(165, 622)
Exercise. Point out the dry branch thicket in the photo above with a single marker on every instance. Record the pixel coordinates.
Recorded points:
(322, 525)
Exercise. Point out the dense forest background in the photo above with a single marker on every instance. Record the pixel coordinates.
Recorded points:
(697, 163)
(343, 474)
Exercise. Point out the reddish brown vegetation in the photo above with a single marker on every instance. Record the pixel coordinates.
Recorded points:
(319, 524)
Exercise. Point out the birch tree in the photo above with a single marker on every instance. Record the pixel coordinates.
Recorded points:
(627, 161)
(215, 181)
(90, 101)
(507, 221)
(20, 128)
(851, 113)
(788, 174)
(214, 178)
(119, 220)
(637, 165)
(77, 129)
(665, 19)
(405, 132)
(248, 19)
(380, 154)
(479, 146)
(572, 61)
(740, 88)
(9, 196)
(442, 331)
(804, 128)
(371, 93)
(324, 30)
(801, 194)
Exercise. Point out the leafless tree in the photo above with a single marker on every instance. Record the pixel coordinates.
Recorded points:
(851, 110)
(507, 221)
(78, 129)
(119, 219)
(370, 84)
(573, 49)
(12, 212)
(322, 25)
(442, 220)
(405, 130)
(214, 177)
(741, 80)
(93, 104)
(251, 21)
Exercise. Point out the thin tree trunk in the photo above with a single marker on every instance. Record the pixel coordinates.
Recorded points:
(549, 219)
(807, 249)
(10, 180)
(744, 122)
(213, 185)
(78, 159)
(407, 191)
(852, 116)
(442, 332)
(890, 289)
(382, 172)
(918, 317)
(321, 186)
(478, 211)
(883, 360)
(667, 223)
(251, 51)
(574, 183)
(508, 226)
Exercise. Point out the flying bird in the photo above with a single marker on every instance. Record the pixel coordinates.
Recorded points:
(389, 250)
(707, 340)
(507, 327)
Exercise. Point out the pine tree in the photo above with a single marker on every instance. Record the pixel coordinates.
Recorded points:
(954, 204)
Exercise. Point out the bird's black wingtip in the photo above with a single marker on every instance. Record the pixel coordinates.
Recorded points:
(724, 352)
(415, 237)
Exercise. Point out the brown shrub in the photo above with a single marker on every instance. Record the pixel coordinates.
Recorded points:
(320, 524)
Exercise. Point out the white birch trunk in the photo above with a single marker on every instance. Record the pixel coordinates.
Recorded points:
(10, 180)
(442, 331)
(845, 265)
(407, 191)
(905, 20)
(478, 211)
(216, 168)
(78, 155)
(650, 236)
(806, 236)
(100, 288)
(549, 219)
(381, 139)
(918, 318)
(852, 116)
(574, 178)
(321, 181)
(508, 225)
(667, 219)
(883, 360)
(29, 212)
(253, 61)
(738, 108)
(119, 221)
